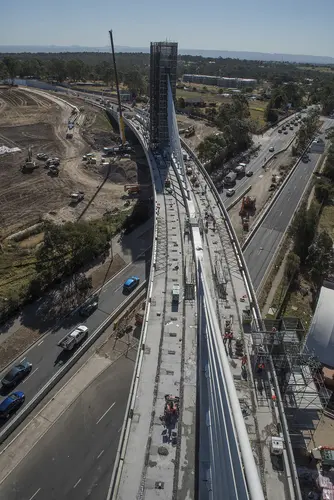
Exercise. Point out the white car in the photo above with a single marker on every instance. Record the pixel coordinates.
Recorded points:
(271, 149)
(230, 192)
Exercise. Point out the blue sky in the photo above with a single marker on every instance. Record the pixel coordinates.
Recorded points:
(285, 26)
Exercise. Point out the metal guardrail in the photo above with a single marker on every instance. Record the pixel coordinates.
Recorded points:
(15, 422)
(258, 319)
(121, 450)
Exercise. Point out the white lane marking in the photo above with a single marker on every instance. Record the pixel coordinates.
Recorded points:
(40, 343)
(76, 484)
(30, 375)
(119, 430)
(100, 454)
(39, 489)
(22, 360)
(118, 288)
(104, 414)
(281, 212)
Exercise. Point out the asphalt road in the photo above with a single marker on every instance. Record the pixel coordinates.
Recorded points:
(262, 247)
(47, 358)
(74, 459)
(276, 140)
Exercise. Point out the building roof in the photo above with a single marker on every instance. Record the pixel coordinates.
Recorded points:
(320, 338)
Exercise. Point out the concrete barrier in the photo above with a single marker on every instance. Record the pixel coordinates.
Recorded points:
(15, 422)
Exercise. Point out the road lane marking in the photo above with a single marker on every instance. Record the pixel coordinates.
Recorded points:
(119, 430)
(100, 454)
(36, 493)
(281, 212)
(22, 360)
(104, 414)
(76, 484)
(29, 375)
(40, 343)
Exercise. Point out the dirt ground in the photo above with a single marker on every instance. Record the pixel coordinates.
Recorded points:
(33, 118)
(202, 129)
(260, 190)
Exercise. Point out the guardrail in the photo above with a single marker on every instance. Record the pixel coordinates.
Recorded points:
(60, 373)
(121, 450)
(291, 466)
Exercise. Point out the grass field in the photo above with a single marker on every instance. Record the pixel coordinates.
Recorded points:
(327, 221)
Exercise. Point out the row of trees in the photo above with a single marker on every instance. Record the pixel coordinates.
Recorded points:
(282, 98)
(233, 120)
(307, 130)
(73, 69)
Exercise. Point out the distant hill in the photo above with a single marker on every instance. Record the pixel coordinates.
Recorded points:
(262, 56)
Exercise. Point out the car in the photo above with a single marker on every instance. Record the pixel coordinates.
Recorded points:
(11, 404)
(230, 192)
(291, 128)
(271, 149)
(52, 161)
(89, 307)
(249, 173)
(42, 156)
(285, 131)
(16, 374)
(130, 284)
(279, 131)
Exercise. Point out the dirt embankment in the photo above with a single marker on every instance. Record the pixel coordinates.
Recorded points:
(38, 120)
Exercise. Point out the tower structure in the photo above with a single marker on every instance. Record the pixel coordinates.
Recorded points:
(163, 65)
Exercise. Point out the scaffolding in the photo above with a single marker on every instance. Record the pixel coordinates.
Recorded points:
(163, 64)
(299, 372)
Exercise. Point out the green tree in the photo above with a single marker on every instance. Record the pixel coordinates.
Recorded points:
(303, 230)
(319, 257)
(134, 81)
(12, 66)
(292, 266)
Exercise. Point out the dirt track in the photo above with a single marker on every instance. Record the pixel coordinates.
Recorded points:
(29, 118)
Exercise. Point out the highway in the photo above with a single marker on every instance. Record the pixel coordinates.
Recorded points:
(270, 139)
(262, 247)
(74, 459)
(47, 358)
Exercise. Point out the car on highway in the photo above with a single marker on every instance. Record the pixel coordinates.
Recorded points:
(271, 149)
(11, 404)
(130, 284)
(16, 374)
(230, 192)
(285, 132)
(249, 173)
(90, 306)
(279, 131)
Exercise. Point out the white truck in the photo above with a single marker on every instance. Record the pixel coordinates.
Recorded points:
(176, 293)
(73, 338)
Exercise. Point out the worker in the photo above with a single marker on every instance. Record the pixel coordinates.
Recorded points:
(260, 368)
(244, 360)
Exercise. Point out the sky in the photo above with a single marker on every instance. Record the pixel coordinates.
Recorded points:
(283, 26)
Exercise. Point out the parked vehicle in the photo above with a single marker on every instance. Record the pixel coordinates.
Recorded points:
(176, 293)
(73, 338)
(249, 173)
(271, 149)
(16, 374)
(230, 192)
(130, 284)
(42, 156)
(11, 404)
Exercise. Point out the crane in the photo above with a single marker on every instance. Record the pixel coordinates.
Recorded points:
(121, 122)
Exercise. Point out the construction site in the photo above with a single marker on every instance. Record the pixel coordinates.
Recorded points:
(42, 162)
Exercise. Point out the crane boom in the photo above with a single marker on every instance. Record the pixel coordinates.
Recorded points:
(121, 122)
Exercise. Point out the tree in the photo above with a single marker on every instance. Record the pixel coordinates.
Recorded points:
(292, 266)
(134, 81)
(57, 69)
(322, 192)
(319, 257)
(75, 69)
(3, 71)
(11, 65)
(303, 230)
(270, 114)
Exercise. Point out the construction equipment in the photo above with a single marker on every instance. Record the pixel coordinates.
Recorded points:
(189, 171)
(29, 164)
(124, 146)
(190, 131)
(53, 171)
(248, 205)
(276, 445)
(132, 188)
(69, 134)
(77, 197)
(245, 223)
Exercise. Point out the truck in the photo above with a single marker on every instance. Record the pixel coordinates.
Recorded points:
(76, 197)
(175, 293)
(230, 179)
(73, 338)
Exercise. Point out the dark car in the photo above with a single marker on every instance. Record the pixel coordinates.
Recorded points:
(11, 404)
(16, 374)
(249, 173)
(89, 307)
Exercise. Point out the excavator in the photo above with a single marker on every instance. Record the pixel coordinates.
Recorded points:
(124, 148)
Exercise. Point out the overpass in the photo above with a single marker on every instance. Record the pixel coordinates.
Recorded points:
(206, 448)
